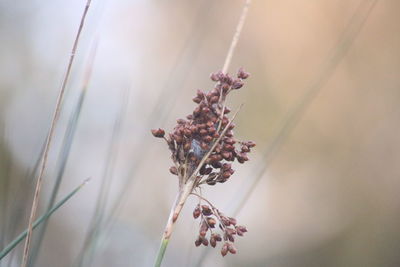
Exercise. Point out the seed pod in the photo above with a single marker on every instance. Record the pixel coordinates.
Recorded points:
(225, 221)
(213, 242)
(226, 175)
(217, 237)
(211, 222)
(242, 74)
(237, 84)
(226, 155)
(196, 100)
(230, 231)
(204, 241)
(207, 138)
(204, 146)
(207, 171)
(229, 147)
(211, 130)
(203, 132)
(196, 212)
(159, 133)
(231, 248)
(245, 149)
(229, 133)
(225, 87)
(206, 109)
(232, 220)
(214, 99)
(186, 147)
(230, 141)
(206, 210)
(244, 156)
(173, 170)
(178, 138)
(196, 111)
(226, 166)
(216, 164)
(187, 132)
(211, 182)
(241, 228)
(214, 77)
(224, 249)
(197, 242)
(250, 144)
(181, 121)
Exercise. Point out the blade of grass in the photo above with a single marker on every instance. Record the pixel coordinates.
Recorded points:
(66, 148)
(57, 110)
(292, 118)
(40, 220)
(18, 200)
(5, 162)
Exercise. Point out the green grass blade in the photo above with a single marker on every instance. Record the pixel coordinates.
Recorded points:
(65, 150)
(161, 252)
(40, 220)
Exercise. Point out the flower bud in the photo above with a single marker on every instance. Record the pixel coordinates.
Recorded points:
(173, 170)
(196, 212)
(224, 249)
(159, 133)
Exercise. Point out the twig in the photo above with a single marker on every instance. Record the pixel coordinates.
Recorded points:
(50, 137)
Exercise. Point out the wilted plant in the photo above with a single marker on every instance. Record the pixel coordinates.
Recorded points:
(202, 147)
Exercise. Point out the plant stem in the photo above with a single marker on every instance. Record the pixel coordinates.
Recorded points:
(49, 139)
(176, 209)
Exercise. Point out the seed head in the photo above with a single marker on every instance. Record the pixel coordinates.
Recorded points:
(206, 137)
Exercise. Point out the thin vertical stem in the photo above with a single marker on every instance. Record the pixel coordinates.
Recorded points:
(187, 189)
(236, 36)
(50, 138)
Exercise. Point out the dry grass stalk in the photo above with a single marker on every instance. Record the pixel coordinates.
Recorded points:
(50, 137)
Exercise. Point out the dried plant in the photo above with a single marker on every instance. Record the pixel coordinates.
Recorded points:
(202, 147)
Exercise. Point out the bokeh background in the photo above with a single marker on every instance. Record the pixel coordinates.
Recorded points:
(322, 104)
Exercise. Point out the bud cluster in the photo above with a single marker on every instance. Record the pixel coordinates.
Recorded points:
(203, 148)
(209, 217)
(192, 137)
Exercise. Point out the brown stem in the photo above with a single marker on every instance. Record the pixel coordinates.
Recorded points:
(176, 209)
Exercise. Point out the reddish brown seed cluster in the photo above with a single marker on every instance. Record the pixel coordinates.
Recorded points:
(193, 137)
(209, 217)
(208, 126)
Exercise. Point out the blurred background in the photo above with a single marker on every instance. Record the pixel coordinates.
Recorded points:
(322, 104)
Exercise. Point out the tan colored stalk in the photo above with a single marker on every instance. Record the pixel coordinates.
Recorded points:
(49, 139)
